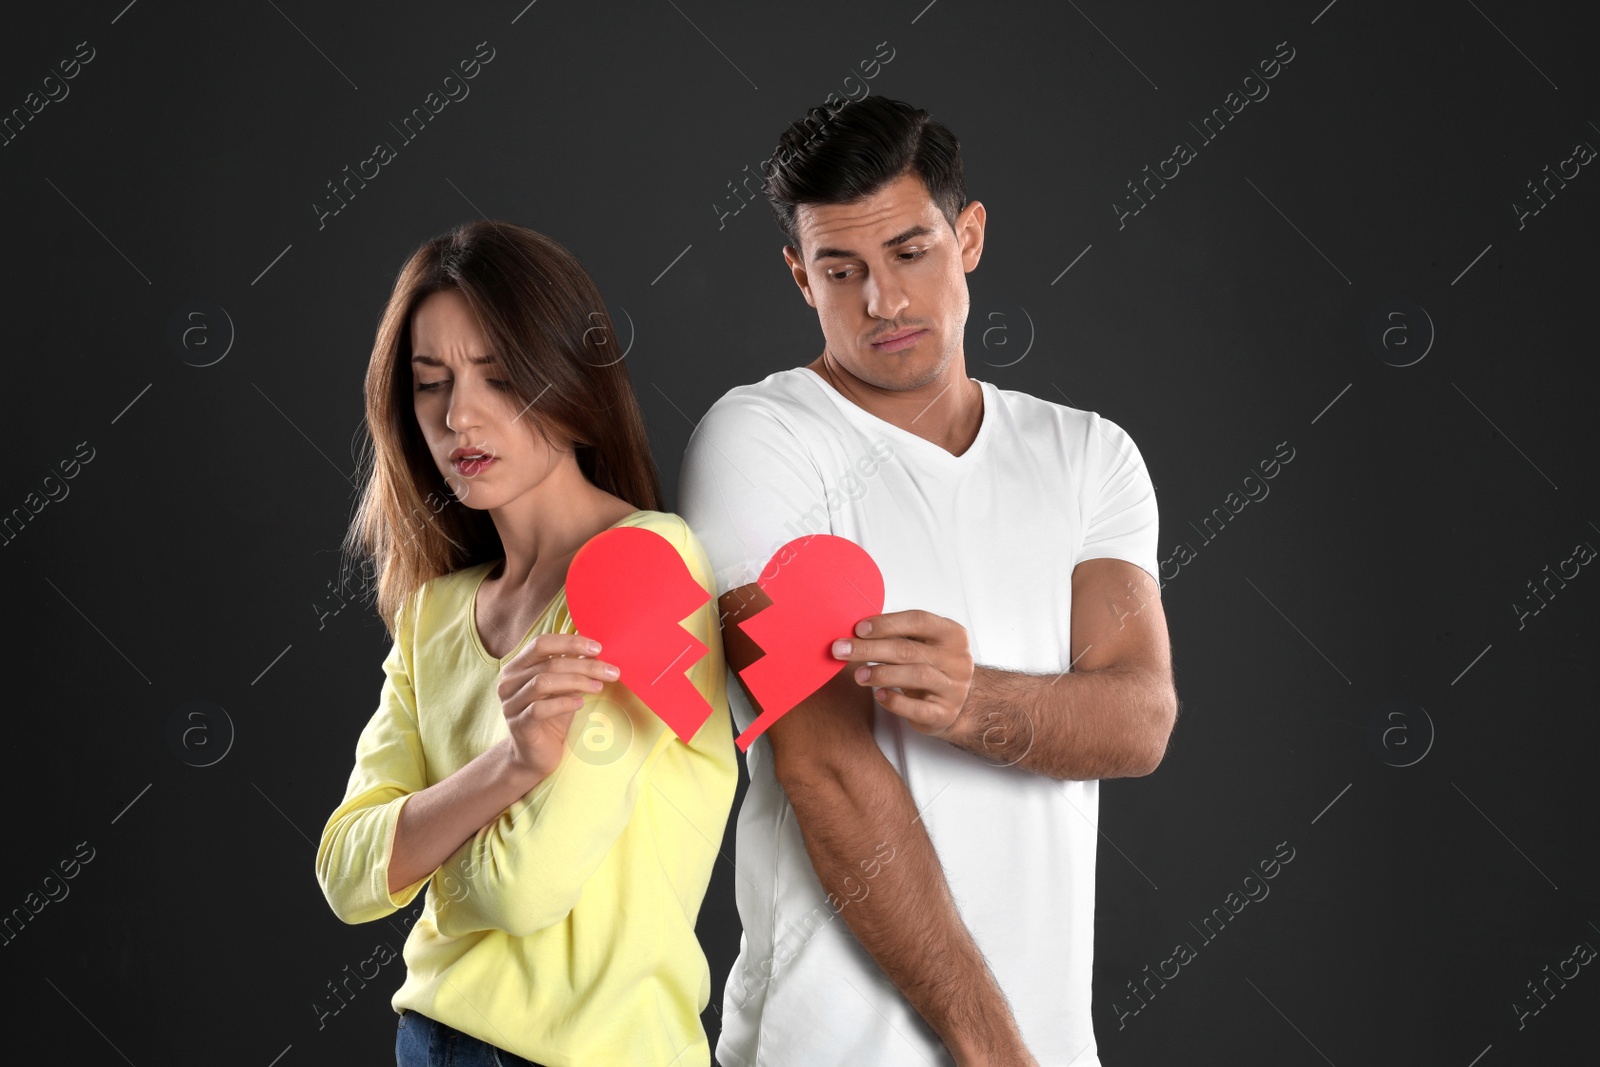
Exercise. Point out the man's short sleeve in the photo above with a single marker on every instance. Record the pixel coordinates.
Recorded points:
(1119, 501)
(746, 482)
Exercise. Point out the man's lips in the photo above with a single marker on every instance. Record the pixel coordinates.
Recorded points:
(895, 342)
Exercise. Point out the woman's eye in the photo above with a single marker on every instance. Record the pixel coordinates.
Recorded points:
(423, 387)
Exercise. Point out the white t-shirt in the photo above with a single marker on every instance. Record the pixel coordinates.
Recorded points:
(989, 539)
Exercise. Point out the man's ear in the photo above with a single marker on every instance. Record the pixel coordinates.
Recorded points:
(969, 232)
(797, 268)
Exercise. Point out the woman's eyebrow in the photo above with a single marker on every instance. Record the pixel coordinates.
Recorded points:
(432, 362)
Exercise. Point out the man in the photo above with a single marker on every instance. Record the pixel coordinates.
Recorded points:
(915, 855)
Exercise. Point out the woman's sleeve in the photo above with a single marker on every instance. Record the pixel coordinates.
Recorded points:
(358, 840)
(527, 869)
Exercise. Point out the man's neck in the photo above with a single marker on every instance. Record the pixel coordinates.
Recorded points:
(947, 411)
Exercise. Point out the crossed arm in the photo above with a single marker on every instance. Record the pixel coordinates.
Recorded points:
(1112, 719)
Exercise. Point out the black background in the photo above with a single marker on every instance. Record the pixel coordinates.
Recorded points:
(196, 555)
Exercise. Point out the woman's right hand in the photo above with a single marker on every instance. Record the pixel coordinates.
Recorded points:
(541, 688)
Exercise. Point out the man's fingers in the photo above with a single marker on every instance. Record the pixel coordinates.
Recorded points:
(912, 620)
(904, 676)
(925, 716)
(883, 650)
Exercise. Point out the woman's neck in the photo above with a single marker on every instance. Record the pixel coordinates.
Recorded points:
(545, 529)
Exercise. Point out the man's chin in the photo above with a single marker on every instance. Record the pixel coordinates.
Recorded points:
(893, 370)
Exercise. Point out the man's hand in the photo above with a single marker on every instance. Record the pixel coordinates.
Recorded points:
(922, 654)
(1108, 715)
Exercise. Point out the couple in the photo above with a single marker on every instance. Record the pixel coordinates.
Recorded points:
(914, 859)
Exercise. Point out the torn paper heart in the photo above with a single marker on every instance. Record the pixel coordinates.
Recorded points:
(628, 589)
(820, 586)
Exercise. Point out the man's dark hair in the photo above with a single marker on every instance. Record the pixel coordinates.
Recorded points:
(847, 151)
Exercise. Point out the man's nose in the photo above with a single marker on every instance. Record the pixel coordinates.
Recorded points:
(886, 297)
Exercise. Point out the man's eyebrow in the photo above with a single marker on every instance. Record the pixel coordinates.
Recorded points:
(432, 362)
(918, 230)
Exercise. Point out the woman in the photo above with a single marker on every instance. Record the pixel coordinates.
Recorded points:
(568, 833)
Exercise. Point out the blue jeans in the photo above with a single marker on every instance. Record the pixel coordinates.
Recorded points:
(424, 1042)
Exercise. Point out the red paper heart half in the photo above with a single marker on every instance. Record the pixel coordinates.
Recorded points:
(628, 589)
(820, 586)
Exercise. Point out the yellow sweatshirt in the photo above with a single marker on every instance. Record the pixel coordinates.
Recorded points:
(563, 931)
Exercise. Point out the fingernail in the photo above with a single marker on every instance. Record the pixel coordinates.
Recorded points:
(592, 647)
(863, 628)
(841, 648)
(611, 671)
(863, 673)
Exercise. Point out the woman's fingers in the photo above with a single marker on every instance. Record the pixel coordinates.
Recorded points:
(542, 687)
(548, 692)
(557, 644)
(545, 656)
(557, 676)
(549, 683)
(571, 651)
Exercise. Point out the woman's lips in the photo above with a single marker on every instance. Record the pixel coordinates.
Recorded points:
(898, 343)
(471, 468)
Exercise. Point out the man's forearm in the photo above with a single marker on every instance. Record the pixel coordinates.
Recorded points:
(905, 917)
(1108, 723)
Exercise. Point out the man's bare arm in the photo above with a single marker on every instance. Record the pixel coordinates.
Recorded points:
(848, 799)
(1111, 714)
(1111, 718)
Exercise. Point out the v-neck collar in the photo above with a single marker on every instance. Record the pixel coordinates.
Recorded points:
(560, 597)
(861, 416)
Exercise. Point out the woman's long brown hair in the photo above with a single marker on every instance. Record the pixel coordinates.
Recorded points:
(550, 330)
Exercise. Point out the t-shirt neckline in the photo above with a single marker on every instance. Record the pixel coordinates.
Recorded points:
(939, 452)
(560, 595)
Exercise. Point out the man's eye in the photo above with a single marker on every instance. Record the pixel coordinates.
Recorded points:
(918, 254)
(841, 274)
